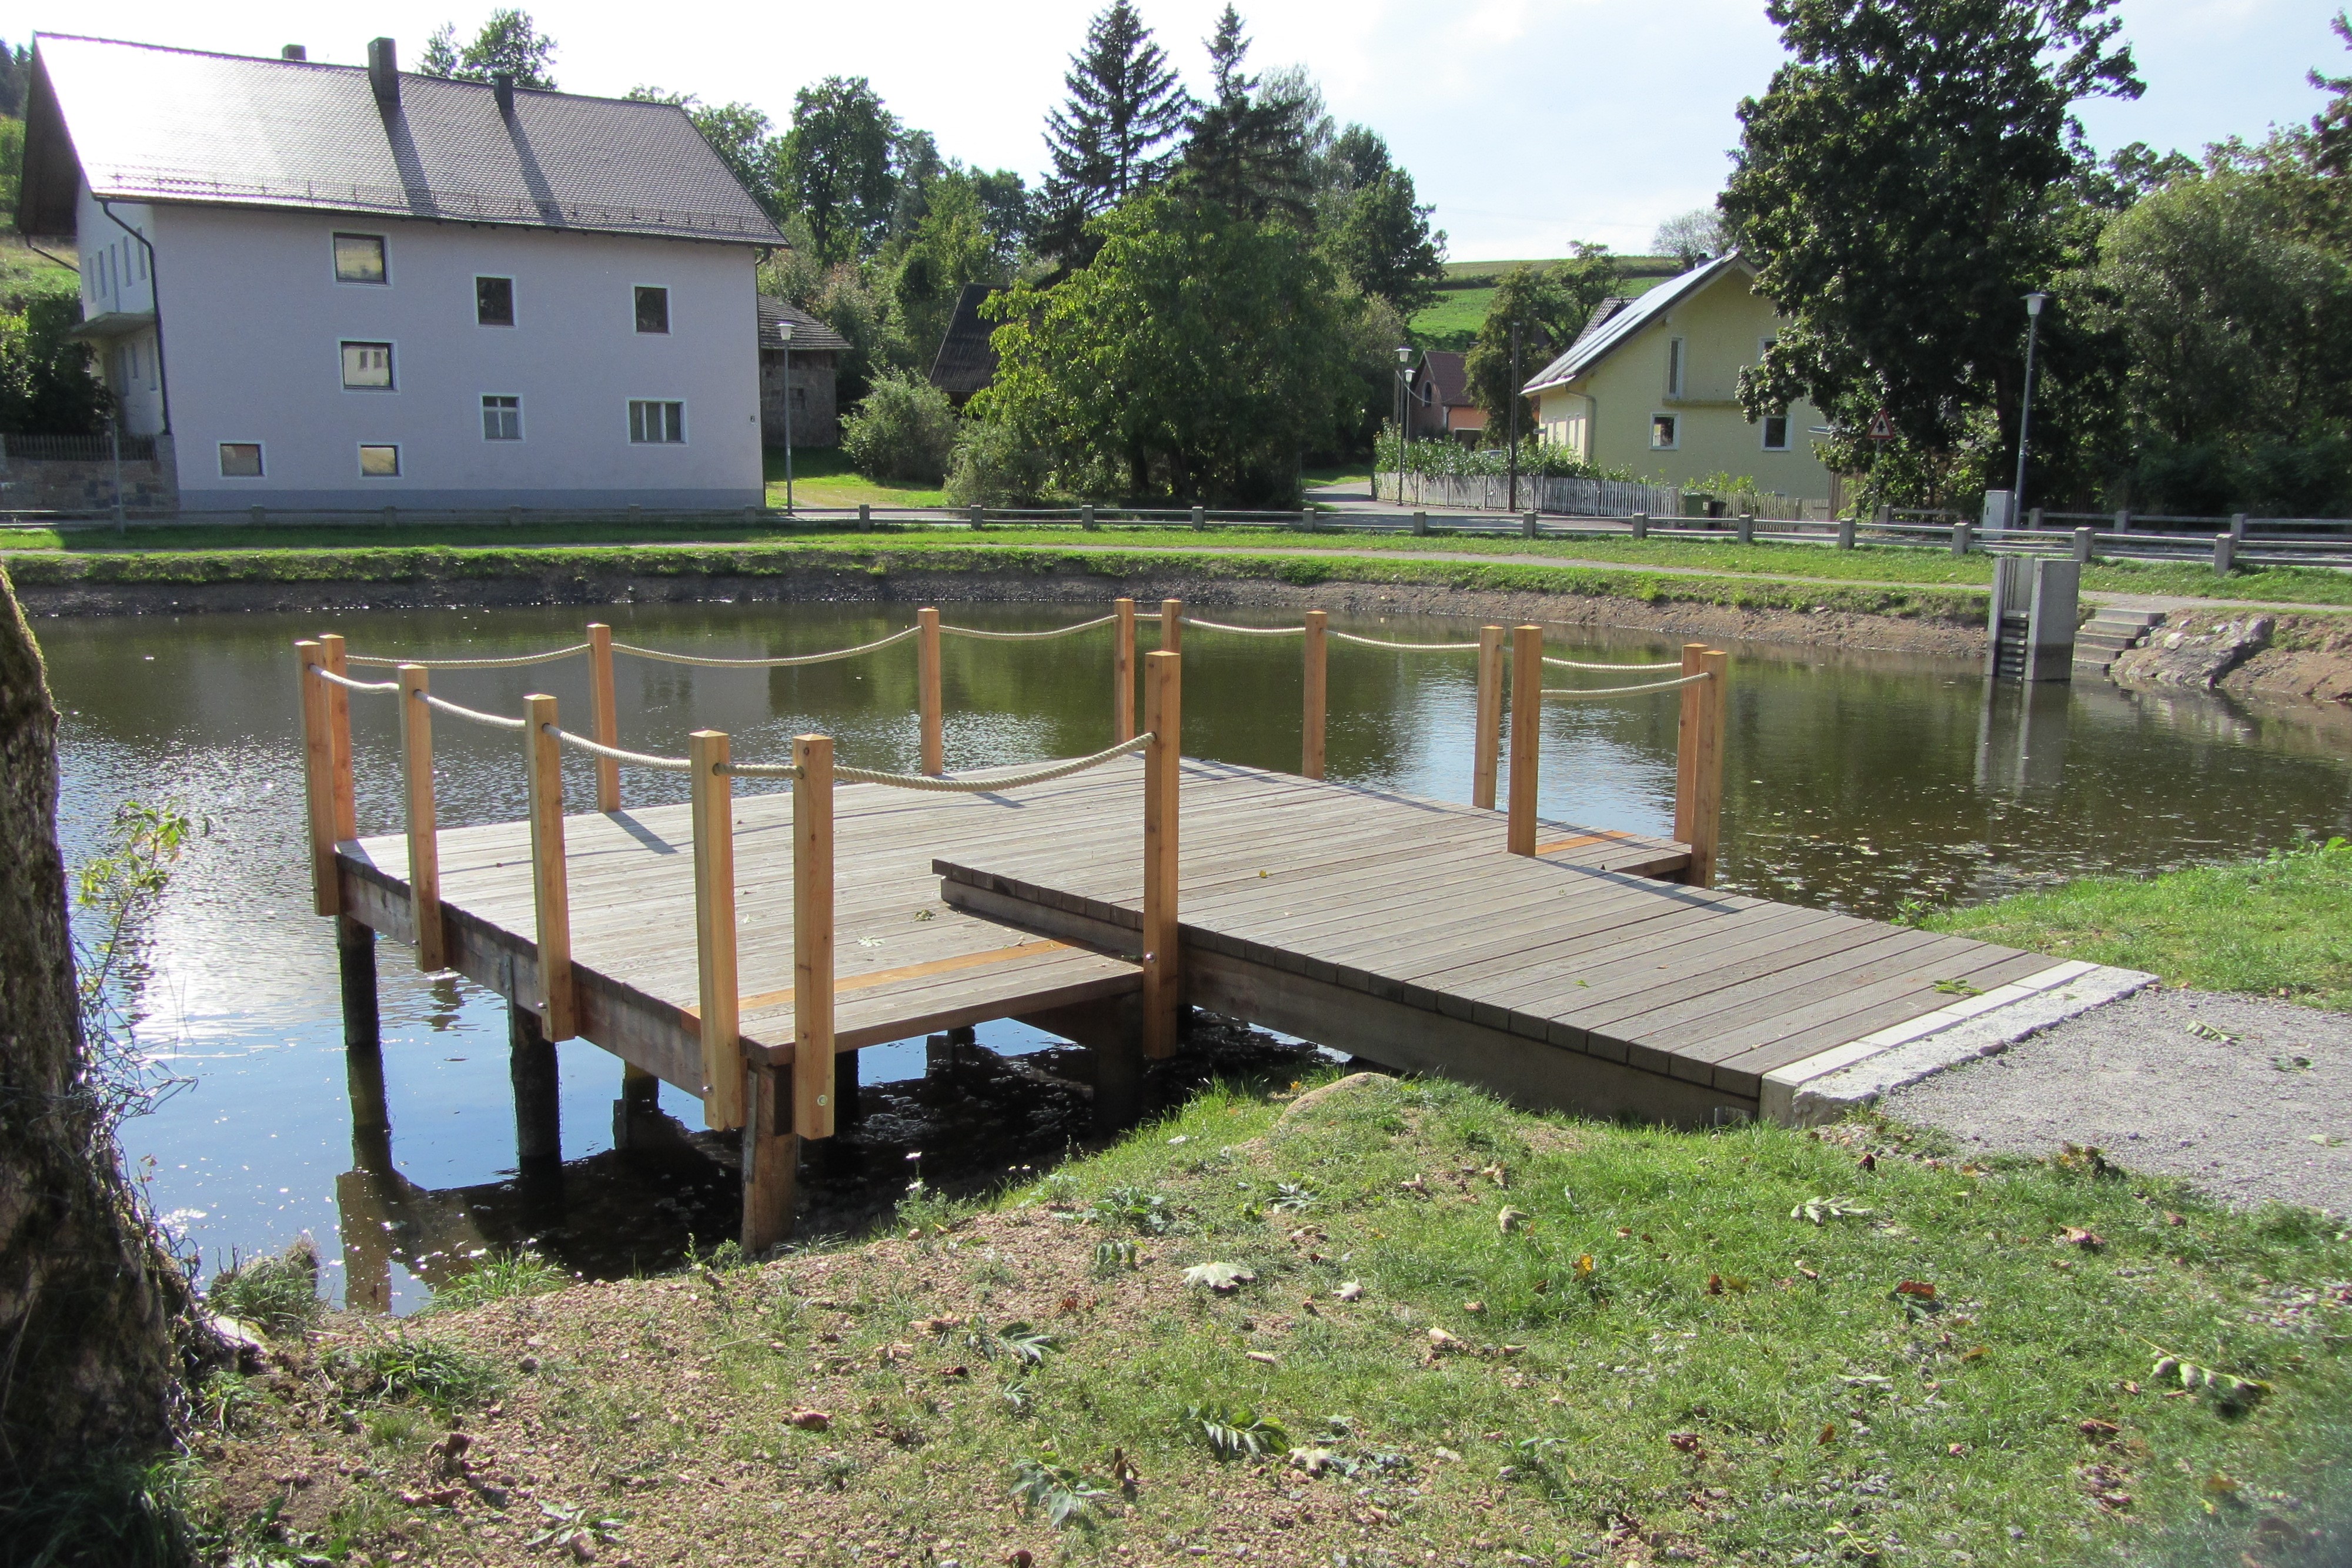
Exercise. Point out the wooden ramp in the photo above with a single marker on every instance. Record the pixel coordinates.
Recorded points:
(1400, 929)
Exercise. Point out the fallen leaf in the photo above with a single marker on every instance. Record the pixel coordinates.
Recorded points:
(1829, 1435)
(1584, 1262)
(2204, 1030)
(1474, 1308)
(1868, 1162)
(1123, 1471)
(1448, 1455)
(1218, 1276)
(2088, 1241)
(1442, 1343)
(1919, 1288)
(1977, 1354)
(1349, 1291)
(1508, 1219)
(1497, 1175)
(2172, 1219)
(1688, 1442)
(1715, 1285)
(1264, 1358)
(1019, 1558)
(2098, 1431)
(809, 1420)
(1955, 1449)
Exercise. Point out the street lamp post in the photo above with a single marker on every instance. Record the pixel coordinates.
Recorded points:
(2034, 303)
(1514, 458)
(1405, 360)
(785, 335)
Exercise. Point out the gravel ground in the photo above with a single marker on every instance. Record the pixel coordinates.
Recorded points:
(2262, 1115)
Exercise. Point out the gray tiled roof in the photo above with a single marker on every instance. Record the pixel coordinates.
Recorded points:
(808, 332)
(1605, 333)
(158, 124)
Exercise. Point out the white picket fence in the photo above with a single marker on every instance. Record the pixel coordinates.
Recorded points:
(1557, 495)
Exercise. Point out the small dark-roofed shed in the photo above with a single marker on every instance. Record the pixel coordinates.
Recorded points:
(814, 358)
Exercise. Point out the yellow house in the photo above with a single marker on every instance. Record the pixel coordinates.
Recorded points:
(1651, 386)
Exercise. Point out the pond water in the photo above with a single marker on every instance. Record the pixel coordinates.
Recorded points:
(1856, 781)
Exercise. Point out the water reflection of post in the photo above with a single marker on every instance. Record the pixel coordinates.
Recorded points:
(2022, 738)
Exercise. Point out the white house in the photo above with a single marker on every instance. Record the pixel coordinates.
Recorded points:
(343, 286)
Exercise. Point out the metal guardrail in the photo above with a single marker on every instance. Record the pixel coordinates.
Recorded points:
(2249, 546)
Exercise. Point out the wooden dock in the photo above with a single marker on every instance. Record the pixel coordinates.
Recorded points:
(744, 948)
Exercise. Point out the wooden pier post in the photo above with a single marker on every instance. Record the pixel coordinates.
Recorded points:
(1122, 671)
(633, 1112)
(542, 763)
(363, 1079)
(317, 778)
(1163, 976)
(1526, 735)
(1311, 764)
(538, 1097)
(604, 713)
(1698, 759)
(1172, 632)
(1487, 747)
(712, 808)
(812, 1083)
(342, 797)
(927, 683)
(1687, 745)
(424, 836)
(771, 1159)
(355, 968)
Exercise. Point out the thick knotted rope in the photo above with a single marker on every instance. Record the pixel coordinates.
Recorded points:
(946, 630)
(382, 661)
(779, 662)
(990, 785)
(494, 720)
(1573, 695)
(348, 684)
(638, 759)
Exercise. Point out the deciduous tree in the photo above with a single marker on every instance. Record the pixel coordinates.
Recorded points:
(840, 165)
(1197, 357)
(1550, 305)
(508, 44)
(1900, 186)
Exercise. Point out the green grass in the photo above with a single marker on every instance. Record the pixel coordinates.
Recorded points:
(276, 1293)
(822, 476)
(1015, 551)
(502, 1276)
(436, 1372)
(241, 552)
(2278, 926)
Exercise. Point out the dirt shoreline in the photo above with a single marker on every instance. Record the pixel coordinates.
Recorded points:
(827, 584)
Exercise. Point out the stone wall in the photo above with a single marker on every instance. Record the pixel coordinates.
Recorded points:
(816, 417)
(49, 484)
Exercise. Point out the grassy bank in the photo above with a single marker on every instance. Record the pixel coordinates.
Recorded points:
(1797, 563)
(2278, 926)
(882, 555)
(822, 476)
(1402, 1324)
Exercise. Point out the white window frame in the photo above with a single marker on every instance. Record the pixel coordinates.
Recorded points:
(384, 240)
(391, 364)
(514, 308)
(1764, 430)
(514, 440)
(261, 449)
(399, 465)
(683, 424)
(669, 322)
(1671, 418)
(1677, 367)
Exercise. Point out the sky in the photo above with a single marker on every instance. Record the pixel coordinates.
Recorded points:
(1529, 123)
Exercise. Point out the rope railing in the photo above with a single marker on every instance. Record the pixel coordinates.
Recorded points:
(948, 630)
(1246, 631)
(635, 759)
(350, 685)
(496, 721)
(990, 785)
(383, 662)
(1405, 647)
(777, 661)
(1614, 669)
(1575, 693)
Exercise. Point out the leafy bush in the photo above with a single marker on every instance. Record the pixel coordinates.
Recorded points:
(47, 387)
(904, 431)
(996, 467)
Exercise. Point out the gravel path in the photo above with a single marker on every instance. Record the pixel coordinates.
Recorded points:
(2263, 1116)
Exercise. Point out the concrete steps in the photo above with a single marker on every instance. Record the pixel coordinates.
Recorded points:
(2108, 634)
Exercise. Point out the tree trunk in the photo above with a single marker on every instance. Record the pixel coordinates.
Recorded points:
(87, 1297)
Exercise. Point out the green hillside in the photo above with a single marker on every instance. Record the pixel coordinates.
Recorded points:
(1468, 291)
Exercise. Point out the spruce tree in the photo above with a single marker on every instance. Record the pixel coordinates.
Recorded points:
(1108, 141)
(1245, 151)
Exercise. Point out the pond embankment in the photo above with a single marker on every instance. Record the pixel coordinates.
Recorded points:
(1859, 615)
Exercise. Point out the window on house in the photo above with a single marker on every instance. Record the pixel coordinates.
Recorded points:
(368, 366)
(1674, 367)
(656, 423)
(379, 462)
(358, 258)
(494, 301)
(502, 419)
(241, 459)
(1775, 432)
(653, 309)
(1662, 430)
